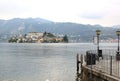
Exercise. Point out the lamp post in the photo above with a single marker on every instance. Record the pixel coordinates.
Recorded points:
(118, 52)
(98, 32)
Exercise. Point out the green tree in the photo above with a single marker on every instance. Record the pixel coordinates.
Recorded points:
(65, 39)
(21, 41)
(44, 34)
(12, 40)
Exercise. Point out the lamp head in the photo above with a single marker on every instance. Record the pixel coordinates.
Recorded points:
(98, 32)
(118, 32)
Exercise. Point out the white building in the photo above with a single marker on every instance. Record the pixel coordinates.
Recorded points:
(34, 35)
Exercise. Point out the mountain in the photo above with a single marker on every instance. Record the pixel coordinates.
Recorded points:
(79, 32)
(116, 26)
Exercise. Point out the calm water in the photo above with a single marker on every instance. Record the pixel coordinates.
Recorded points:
(39, 62)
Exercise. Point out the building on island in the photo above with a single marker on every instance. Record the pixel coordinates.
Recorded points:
(37, 37)
(33, 36)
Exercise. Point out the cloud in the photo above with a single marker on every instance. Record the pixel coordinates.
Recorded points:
(91, 15)
(62, 10)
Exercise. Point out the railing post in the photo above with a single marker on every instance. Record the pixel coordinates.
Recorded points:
(77, 58)
(81, 61)
(110, 65)
(81, 66)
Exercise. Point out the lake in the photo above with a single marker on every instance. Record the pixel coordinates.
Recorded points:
(42, 61)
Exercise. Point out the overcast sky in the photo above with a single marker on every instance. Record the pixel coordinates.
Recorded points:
(103, 12)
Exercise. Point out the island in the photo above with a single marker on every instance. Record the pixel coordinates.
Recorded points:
(38, 37)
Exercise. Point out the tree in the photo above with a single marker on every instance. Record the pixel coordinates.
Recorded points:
(12, 40)
(65, 39)
(44, 34)
(21, 41)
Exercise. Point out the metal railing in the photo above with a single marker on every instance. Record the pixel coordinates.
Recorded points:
(107, 63)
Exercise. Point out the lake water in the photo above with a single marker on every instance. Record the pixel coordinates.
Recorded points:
(41, 62)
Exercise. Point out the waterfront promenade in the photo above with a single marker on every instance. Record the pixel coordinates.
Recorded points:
(107, 68)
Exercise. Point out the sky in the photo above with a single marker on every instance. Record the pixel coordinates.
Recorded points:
(102, 12)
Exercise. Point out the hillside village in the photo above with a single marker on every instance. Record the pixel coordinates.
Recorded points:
(38, 37)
